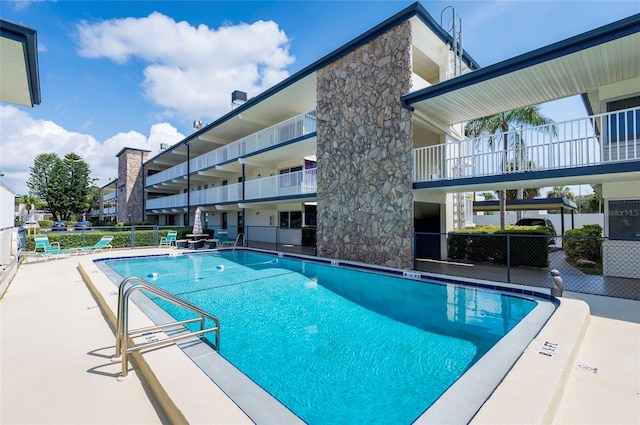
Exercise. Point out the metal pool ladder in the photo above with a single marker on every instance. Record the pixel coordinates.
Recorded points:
(122, 329)
(235, 244)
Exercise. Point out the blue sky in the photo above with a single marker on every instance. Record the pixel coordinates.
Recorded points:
(137, 73)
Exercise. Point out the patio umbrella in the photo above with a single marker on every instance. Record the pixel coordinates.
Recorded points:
(197, 225)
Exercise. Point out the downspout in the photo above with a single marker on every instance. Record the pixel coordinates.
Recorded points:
(244, 217)
(144, 201)
(188, 186)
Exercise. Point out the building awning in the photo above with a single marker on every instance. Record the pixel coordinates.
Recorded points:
(19, 75)
(553, 204)
(575, 66)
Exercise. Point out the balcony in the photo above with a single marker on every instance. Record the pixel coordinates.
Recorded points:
(595, 140)
(175, 172)
(110, 196)
(284, 185)
(280, 133)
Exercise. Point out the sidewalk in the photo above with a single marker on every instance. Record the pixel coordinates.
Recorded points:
(55, 354)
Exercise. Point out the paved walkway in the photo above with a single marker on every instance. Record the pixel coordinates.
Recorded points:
(55, 367)
(55, 355)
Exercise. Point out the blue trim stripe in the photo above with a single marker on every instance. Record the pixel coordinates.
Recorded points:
(618, 167)
(619, 29)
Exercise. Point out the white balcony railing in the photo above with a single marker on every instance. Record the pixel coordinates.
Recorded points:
(172, 201)
(290, 184)
(285, 131)
(110, 196)
(595, 140)
(175, 172)
(213, 195)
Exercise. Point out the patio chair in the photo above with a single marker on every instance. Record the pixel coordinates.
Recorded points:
(103, 243)
(169, 240)
(49, 249)
(223, 239)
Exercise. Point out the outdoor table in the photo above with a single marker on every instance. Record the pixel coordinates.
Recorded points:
(196, 239)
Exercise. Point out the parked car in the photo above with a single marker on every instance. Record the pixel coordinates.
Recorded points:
(31, 224)
(83, 225)
(539, 222)
(535, 222)
(59, 225)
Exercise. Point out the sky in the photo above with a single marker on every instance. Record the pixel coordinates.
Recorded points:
(117, 74)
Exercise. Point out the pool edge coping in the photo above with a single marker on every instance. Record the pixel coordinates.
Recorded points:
(488, 410)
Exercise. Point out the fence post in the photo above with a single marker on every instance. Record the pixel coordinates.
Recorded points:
(133, 237)
(155, 235)
(508, 258)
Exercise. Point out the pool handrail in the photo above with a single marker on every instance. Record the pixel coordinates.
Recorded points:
(122, 326)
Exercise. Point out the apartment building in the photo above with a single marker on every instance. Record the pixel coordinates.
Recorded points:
(367, 143)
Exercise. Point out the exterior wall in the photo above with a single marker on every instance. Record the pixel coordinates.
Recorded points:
(579, 219)
(364, 151)
(8, 237)
(131, 185)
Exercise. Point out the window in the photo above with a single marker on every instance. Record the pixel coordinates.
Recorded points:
(291, 219)
(310, 215)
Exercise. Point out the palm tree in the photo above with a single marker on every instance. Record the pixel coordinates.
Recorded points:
(498, 125)
(30, 201)
(561, 192)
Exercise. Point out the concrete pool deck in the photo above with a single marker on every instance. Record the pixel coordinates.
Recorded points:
(56, 346)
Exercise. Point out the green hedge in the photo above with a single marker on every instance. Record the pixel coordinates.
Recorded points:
(527, 245)
(121, 239)
(584, 243)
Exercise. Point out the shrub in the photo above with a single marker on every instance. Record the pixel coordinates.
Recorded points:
(584, 243)
(528, 245)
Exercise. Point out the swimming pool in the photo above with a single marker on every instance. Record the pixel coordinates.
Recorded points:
(336, 345)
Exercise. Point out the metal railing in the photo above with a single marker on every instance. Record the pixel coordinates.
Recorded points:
(290, 184)
(594, 140)
(122, 331)
(298, 126)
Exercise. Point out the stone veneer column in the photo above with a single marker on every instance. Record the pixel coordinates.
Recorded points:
(130, 184)
(364, 151)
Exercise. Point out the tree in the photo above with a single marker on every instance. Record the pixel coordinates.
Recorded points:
(496, 127)
(488, 196)
(530, 193)
(30, 201)
(561, 192)
(62, 183)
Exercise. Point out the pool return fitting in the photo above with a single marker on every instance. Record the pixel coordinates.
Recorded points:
(122, 328)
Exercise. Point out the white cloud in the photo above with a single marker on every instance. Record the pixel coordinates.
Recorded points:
(23, 138)
(191, 71)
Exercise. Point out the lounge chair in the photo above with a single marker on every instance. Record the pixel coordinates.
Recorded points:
(169, 240)
(98, 246)
(50, 249)
(223, 239)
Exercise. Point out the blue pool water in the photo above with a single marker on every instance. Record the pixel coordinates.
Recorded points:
(336, 345)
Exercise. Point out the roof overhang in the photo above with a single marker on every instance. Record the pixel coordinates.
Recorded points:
(553, 204)
(19, 75)
(575, 66)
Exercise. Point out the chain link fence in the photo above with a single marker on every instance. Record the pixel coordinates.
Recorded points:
(590, 265)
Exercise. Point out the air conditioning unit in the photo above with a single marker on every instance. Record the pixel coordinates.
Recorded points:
(164, 146)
